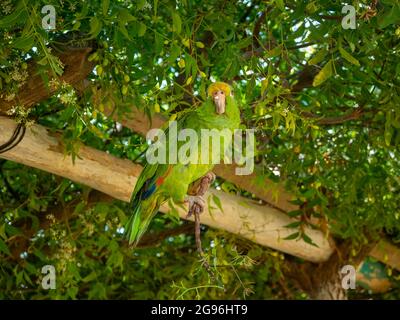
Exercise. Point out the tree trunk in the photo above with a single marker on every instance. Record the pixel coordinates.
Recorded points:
(330, 290)
(325, 281)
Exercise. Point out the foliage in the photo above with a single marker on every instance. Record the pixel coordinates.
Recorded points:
(324, 102)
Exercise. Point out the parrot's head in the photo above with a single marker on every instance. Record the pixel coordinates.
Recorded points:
(218, 91)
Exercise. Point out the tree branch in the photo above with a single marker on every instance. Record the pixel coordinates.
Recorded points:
(354, 115)
(76, 69)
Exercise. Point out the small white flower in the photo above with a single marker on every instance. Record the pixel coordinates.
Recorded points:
(54, 84)
(10, 97)
(7, 7)
(147, 6)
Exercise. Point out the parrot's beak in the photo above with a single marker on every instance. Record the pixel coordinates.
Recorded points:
(219, 101)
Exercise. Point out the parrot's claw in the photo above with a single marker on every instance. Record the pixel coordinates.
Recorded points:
(196, 205)
(205, 183)
(209, 178)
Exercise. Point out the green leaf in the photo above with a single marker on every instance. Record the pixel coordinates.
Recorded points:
(106, 6)
(176, 23)
(95, 26)
(158, 43)
(98, 291)
(11, 230)
(280, 4)
(90, 277)
(116, 259)
(84, 12)
(199, 44)
(3, 231)
(19, 15)
(295, 224)
(309, 193)
(217, 201)
(122, 29)
(388, 134)
(318, 57)
(31, 268)
(24, 43)
(40, 254)
(292, 236)
(295, 213)
(244, 43)
(76, 26)
(140, 4)
(324, 74)
(274, 52)
(348, 56)
(4, 247)
(121, 215)
(276, 119)
(124, 16)
(142, 29)
(79, 207)
(296, 202)
(308, 240)
(389, 16)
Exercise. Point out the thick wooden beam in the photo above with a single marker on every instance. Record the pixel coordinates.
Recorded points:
(387, 253)
(116, 177)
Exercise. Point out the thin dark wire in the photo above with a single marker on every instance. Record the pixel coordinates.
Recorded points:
(15, 139)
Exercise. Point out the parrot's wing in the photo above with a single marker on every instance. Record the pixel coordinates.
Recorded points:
(147, 181)
(144, 202)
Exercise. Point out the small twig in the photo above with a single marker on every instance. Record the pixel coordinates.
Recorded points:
(197, 233)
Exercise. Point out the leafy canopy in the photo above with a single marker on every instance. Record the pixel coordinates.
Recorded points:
(324, 100)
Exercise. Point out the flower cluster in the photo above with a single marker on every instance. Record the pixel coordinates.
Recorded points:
(19, 72)
(65, 249)
(6, 7)
(19, 75)
(65, 254)
(51, 217)
(67, 95)
(91, 228)
(56, 234)
(9, 96)
(7, 36)
(54, 84)
(16, 76)
(21, 114)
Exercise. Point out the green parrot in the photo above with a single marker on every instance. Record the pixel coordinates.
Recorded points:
(158, 183)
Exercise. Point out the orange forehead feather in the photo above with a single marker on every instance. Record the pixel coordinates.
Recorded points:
(217, 86)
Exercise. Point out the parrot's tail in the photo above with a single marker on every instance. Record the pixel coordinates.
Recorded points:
(143, 213)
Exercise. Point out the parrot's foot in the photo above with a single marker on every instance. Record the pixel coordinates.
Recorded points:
(196, 205)
(205, 182)
(200, 186)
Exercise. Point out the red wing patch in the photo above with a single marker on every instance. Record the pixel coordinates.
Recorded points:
(161, 179)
